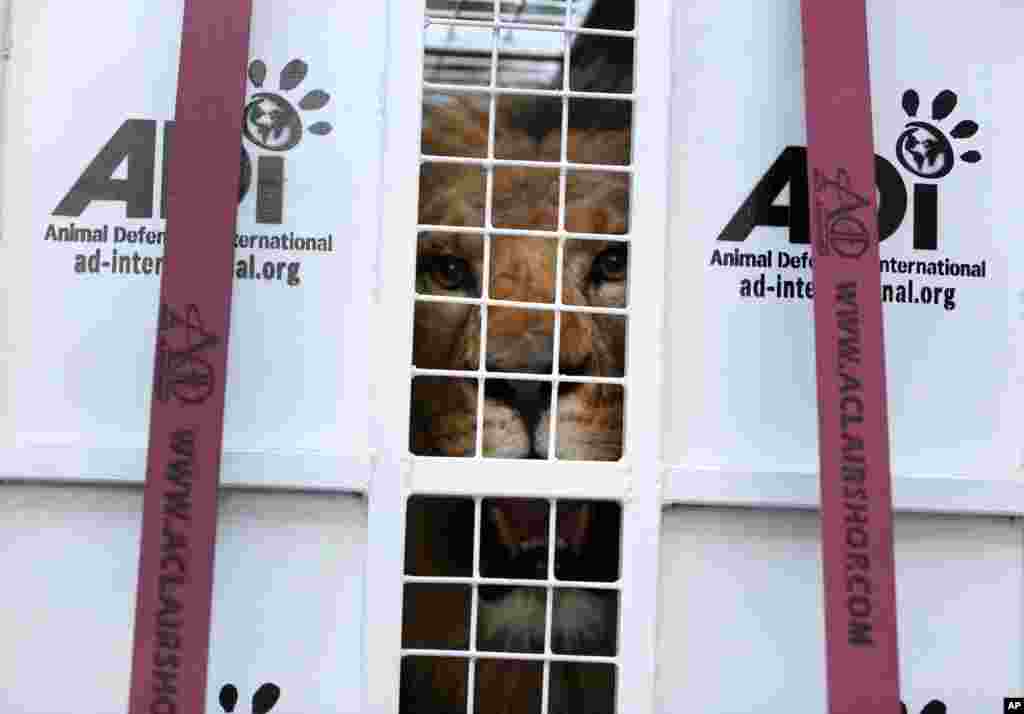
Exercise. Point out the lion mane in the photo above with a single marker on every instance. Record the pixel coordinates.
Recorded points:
(522, 269)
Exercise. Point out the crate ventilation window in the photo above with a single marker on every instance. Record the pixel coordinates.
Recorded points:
(522, 258)
(520, 328)
(514, 615)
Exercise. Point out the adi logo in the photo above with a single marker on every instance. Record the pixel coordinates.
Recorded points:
(271, 121)
(263, 699)
(923, 149)
(273, 124)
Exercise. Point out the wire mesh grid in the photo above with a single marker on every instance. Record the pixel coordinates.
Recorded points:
(559, 22)
(450, 53)
(553, 651)
(491, 51)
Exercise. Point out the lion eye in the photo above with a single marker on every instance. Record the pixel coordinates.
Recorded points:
(610, 264)
(451, 272)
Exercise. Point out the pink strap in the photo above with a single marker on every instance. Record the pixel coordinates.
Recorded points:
(856, 502)
(179, 520)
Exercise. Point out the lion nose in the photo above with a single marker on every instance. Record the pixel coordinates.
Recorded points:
(530, 397)
(527, 353)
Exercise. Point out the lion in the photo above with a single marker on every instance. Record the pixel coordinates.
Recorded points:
(510, 619)
(517, 412)
(589, 417)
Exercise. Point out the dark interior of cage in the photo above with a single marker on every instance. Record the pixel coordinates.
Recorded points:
(598, 63)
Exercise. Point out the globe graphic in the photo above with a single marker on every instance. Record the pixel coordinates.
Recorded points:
(271, 122)
(924, 150)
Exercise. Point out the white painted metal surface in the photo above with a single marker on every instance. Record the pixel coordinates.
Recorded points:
(287, 604)
(742, 383)
(308, 586)
(741, 622)
(79, 364)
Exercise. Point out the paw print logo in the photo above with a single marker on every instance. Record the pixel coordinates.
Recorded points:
(932, 707)
(262, 701)
(270, 120)
(923, 148)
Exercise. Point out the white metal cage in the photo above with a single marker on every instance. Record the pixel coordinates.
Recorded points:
(718, 584)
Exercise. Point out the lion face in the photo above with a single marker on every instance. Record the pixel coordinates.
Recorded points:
(521, 340)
